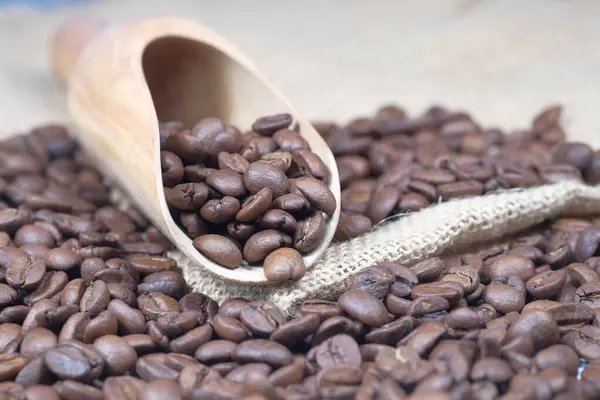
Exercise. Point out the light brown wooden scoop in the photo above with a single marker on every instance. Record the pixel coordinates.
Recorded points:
(123, 79)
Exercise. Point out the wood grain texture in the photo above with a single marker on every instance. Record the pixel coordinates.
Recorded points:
(179, 69)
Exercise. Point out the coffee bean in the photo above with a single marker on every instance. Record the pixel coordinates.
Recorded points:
(25, 272)
(75, 360)
(284, 264)
(14, 314)
(317, 194)
(351, 226)
(187, 196)
(220, 211)
(229, 183)
(156, 366)
(450, 291)
(539, 325)
(506, 297)
(130, 320)
(172, 168)
(382, 203)
(546, 284)
(74, 327)
(429, 269)
(268, 125)
(374, 280)
(232, 162)
(310, 233)
(310, 164)
(278, 219)
(255, 206)
(263, 243)
(123, 387)
(36, 342)
(50, 285)
(364, 307)
(170, 283)
(194, 376)
(262, 350)
(334, 326)
(204, 306)
(161, 389)
(293, 203)
(508, 265)
(229, 328)
(219, 249)
(261, 174)
(289, 140)
(296, 330)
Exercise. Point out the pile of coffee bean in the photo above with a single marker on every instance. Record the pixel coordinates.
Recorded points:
(392, 163)
(260, 196)
(92, 307)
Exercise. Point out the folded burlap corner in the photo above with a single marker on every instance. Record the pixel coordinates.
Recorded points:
(410, 238)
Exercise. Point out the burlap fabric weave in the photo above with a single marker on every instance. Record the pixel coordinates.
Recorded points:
(408, 239)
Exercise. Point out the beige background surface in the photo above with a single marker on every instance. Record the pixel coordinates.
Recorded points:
(502, 59)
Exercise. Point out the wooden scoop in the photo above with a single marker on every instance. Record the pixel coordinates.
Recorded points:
(123, 79)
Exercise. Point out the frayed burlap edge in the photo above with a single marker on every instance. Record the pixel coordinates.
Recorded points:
(411, 238)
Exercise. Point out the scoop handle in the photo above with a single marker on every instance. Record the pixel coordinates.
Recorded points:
(69, 40)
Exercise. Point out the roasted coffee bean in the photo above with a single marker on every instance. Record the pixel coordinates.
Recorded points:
(351, 226)
(268, 125)
(429, 269)
(317, 194)
(374, 280)
(293, 203)
(187, 196)
(508, 265)
(261, 317)
(546, 284)
(261, 174)
(334, 326)
(205, 307)
(229, 183)
(34, 317)
(310, 233)
(141, 343)
(74, 327)
(296, 330)
(130, 320)
(220, 211)
(14, 314)
(172, 168)
(229, 328)
(450, 291)
(36, 342)
(170, 283)
(365, 307)
(95, 298)
(103, 324)
(284, 264)
(123, 387)
(263, 351)
(338, 350)
(539, 325)
(50, 285)
(278, 219)
(219, 249)
(506, 297)
(75, 360)
(25, 272)
(261, 244)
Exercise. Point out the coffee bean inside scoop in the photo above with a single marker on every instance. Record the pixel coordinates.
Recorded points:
(243, 203)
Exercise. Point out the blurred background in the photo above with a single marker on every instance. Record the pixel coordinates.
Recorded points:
(335, 59)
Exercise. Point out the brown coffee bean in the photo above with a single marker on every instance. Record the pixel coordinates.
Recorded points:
(465, 188)
(130, 320)
(226, 182)
(334, 326)
(261, 174)
(365, 307)
(50, 285)
(10, 365)
(546, 284)
(279, 159)
(75, 360)
(392, 332)
(587, 244)
(576, 154)
(232, 162)
(262, 350)
(192, 340)
(508, 265)
(141, 343)
(261, 317)
(172, 168)
(120, 357)
(278, 219)
(506, 297)
(288, 140)
(375, 280)
(588, 294)
(296, 330)
(257, 147)
(74, 327)
(429, 269)
(187, 196)
(293, 203)
(219, 249)
(284, 264)
(229, 328)
(25, 272)
(317, 194)
(310, 232)
(13, 314)
(220, 211)
(451, 291)
(255, 206)
(270, 124)
(382, 203)
(36, 342)
(323, 308)
(263, 243)
(539, 325)
(310, 164)
(351, 226)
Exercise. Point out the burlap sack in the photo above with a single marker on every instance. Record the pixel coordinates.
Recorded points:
(410, 238)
